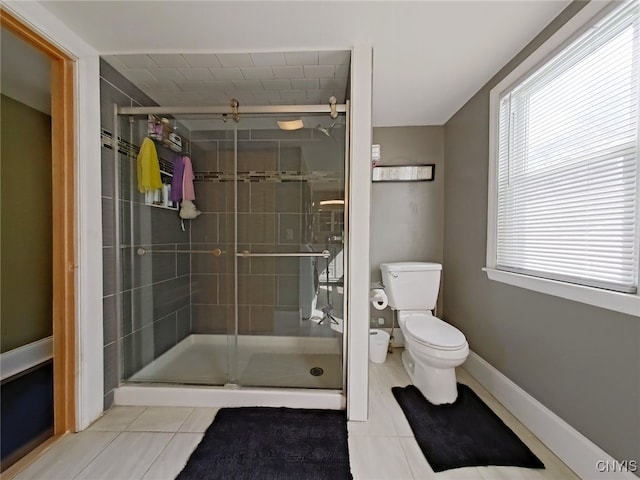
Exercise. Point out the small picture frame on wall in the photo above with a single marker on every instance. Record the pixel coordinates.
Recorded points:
(404, 173)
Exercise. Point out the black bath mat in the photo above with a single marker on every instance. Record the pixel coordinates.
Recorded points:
(272, 443)
(465, 433)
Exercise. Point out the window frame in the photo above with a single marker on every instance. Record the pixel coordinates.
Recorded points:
(628, 303)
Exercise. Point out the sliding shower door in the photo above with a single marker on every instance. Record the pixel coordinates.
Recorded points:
(289, 224)
(250, 292)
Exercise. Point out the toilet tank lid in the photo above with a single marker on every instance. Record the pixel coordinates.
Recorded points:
(410, 266)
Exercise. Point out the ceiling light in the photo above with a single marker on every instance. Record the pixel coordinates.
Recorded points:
(332, 202)
(290, 124)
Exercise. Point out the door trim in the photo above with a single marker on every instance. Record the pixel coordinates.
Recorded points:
(63, 218)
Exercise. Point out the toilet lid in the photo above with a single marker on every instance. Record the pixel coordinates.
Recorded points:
(435, 333)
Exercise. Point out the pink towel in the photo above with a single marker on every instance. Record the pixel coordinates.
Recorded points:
(188, 192)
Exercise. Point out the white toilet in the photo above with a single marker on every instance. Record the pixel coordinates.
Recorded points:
(433, 348)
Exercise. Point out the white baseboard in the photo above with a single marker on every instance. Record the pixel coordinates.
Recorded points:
(581, 455)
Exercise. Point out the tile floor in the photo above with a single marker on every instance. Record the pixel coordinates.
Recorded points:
(153, 443)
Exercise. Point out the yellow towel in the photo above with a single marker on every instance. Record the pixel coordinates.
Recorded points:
(148, 167)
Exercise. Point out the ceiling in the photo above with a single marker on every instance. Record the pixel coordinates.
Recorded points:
(266, 78)
(429, 57)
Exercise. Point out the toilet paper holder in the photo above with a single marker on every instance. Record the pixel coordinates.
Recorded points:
(378, 298)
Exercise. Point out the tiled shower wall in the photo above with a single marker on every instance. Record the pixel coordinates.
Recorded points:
(272, 215)
(155, 287)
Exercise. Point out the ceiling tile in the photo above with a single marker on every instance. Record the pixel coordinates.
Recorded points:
(340, 57)
(280, 84)
(288, 72)
(199, 73)
(268, 96)
(305, 83)
(115, 62)
(169, 60)
(208, 60)
(301, 58)
(314, 97)
(260, 101)
(139, 75)
(219, 85)
(190, 98)
(257, 73)
(342, 71)
(235, 59)
(244, 97)
(162, 98)
(296, 96)
(252, 85)
(226, 73)
(319, 71)
(166, 73)
(137, 61)
(192, 79)
(165, 86)
(332, 83)
(214, 98)
(268, 59)
(192, 85)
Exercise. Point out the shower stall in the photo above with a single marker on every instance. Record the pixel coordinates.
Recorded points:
(248, 298)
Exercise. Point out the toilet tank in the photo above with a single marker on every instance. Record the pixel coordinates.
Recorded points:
(411, 285)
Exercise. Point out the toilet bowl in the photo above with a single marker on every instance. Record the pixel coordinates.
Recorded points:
(433, 348)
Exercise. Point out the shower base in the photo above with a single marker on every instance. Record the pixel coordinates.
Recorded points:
(187, 374)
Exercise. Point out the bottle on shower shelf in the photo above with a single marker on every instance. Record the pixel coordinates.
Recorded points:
(166, 131)
(154, 127)
(175, 140)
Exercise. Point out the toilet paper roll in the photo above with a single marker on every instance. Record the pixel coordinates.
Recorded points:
(378, 298)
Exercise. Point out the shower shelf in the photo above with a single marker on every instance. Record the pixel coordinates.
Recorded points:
(161, 206)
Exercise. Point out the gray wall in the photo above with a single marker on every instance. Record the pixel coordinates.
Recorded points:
(156, 312)
(581, 362)
(407, 218)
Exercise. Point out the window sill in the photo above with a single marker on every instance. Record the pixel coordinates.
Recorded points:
(619, 302)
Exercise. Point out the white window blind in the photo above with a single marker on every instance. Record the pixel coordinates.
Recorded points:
(567, 186)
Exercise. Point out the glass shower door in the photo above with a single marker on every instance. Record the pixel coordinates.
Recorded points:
(289, 221)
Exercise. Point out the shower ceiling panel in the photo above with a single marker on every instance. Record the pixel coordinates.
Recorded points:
(273, 78)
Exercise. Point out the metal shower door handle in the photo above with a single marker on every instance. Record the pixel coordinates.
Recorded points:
(246, 253)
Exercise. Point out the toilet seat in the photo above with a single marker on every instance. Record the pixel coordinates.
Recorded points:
(432, 332)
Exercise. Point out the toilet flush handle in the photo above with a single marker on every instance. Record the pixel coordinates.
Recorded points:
(394, 275)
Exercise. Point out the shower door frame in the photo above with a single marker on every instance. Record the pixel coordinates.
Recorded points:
(275, 109)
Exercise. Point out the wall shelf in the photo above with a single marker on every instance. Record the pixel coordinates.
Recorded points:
(404, 173)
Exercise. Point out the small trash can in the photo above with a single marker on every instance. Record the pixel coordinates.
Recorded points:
(378, 345)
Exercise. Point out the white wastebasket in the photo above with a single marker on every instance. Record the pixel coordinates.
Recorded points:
(378, 345)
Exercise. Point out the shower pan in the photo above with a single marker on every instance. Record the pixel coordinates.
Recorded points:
(244, 304)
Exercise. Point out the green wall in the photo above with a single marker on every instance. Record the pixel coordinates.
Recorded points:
(25, 225)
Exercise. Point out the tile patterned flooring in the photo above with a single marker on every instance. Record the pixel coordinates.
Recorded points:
(153, 443)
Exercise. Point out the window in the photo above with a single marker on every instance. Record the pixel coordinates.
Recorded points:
(563, 202)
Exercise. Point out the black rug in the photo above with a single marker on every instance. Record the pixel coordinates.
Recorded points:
(465, 433)
(272, 443)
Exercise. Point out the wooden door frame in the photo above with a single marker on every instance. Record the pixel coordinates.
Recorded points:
(63, 221)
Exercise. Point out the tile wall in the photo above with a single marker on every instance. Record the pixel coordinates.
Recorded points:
(272, 215)
(156, 297)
